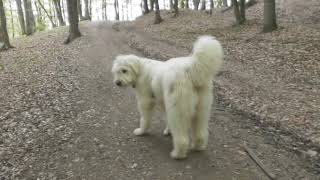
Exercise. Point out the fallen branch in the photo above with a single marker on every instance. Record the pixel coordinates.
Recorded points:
(258, 162)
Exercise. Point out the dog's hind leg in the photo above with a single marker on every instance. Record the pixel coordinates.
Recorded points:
(179, 132)
(199, 124)
(145, 108)
(179, 107)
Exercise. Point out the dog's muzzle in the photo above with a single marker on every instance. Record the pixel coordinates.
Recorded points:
(118, 83)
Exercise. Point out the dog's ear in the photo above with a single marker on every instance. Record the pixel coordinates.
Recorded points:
(134, 64)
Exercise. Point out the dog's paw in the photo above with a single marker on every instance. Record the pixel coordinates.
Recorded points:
(175, 155)
(166, 132)
(139, 132)
(198, 147)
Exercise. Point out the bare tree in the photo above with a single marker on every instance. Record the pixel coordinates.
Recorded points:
(145, 7)
(62, 7)
(116, 9)
(158, 18)
(4, 38)
(175, 7)
(236, 11)
(30, 20)
(187, 4)
(151, 2)
(48, 15)
(225, 3)
(181, 4)
(269, 16)
(86, 10)
(243, 10)
(21, 17)
(247, 4)
(203, 5)
(211, 7)
(73, 18)
(196, 4)
(104, 9)
(171, 4)
(53, 13)
(11, 18)
(39, 15)
(239, 11)
(79, 5)
(57, 6)
(90, 9)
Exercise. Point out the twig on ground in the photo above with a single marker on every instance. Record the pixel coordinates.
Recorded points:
(258, 162)
(31, 46)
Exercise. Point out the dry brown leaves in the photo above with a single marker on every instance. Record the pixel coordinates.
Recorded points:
(275, 76)
(37, 90)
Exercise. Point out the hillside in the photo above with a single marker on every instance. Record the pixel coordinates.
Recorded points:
(273, 78)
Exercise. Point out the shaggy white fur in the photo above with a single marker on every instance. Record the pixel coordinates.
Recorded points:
(181, 86)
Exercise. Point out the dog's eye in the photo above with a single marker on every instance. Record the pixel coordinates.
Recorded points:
(124, 71)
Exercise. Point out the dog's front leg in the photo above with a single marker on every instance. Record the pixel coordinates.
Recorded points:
(145, 107)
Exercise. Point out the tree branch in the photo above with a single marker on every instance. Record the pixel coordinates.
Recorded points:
(258, 162)
(50, 18)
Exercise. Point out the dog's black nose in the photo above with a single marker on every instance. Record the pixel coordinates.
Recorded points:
(118, 83)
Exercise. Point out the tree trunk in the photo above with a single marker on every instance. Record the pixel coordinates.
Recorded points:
(225, 3)
(57, 5)
(237, 13)
(30, 21)
(175, 7)
(4, 38)
(211, 7)
(158, 18)
(73, 18)
(48, 15)
(182, 4)
(269, 16)
(171, 4)
(116, 9)
(21, 17)
(62, 7)
(196, 4)
(242, 11)
(86, 10)
(203, 5)
(79, 5)
(151, 5)
(39, 14)
(145, 7)
(104, 9)
(54, 13)
(12, 23)
(90, 9)
(187, 4)
(247, 5)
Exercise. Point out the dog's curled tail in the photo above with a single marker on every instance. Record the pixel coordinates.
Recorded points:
(208, 53)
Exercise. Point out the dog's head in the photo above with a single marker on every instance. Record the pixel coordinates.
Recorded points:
(125, 70)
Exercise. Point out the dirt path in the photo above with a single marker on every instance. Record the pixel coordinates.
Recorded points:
(103, 146)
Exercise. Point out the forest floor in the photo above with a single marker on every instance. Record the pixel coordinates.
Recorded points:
(61, 117)
(273, 77)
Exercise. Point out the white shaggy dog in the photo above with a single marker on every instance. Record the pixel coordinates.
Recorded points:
(181, 86)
